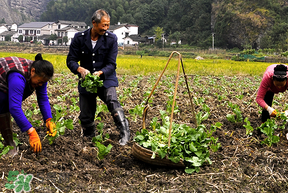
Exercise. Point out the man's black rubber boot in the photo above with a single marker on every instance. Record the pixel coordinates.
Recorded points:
(122, 124)
(89, 130)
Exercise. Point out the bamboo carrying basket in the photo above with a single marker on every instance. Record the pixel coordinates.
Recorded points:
(145, 154)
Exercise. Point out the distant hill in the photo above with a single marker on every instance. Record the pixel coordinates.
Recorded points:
(20, 11)
(229, 23)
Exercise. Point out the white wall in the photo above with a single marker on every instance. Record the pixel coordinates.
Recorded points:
(48, 29)
(133, 30)
(14, 27)
(129, 41)
(120, 33)
(70, 34)
(3, 28)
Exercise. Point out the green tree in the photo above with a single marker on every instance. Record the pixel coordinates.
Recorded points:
(28, 39)
(8, 38)
(157, 12)
(65, 39)
(113, 17)
(158, 33)
(120, 11)
(127, 18)
(175, 36)
(142, 17)
(20, 38)
(53, 37)
(158, 37)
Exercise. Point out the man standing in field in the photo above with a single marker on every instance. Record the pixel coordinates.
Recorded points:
(97, 49)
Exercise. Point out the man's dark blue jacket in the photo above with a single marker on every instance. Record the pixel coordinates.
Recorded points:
(102, 57)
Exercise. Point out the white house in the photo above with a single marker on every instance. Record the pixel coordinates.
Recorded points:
(13, 27)
(67, 31)
(134, 40)
(41, 31)
(81, 26)
(33, 30)
(123, 30)
(3, 28)
(12, 34)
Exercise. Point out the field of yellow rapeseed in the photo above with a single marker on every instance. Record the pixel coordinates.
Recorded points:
(147, 65)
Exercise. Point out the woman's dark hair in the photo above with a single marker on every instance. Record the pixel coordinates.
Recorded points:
(97, 16)
(42, 67)
(280, 73)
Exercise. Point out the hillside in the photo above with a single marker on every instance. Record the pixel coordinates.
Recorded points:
(20, 11)
(239, 23)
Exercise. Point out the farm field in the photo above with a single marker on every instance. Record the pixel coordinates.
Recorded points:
(150, 65)
(70, 164)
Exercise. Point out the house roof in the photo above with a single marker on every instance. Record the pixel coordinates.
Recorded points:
(35, 24)
(67, 28)
(8, 33)
(78, 23)
(137, 38)
(44, 37)
(117, 26)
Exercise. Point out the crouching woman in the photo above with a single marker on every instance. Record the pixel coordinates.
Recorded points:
(274, 81)
(19, 78)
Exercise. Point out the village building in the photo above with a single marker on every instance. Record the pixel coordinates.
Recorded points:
(62, 32)
(33, 30)
(133, 40)
(123, 30)
(9, 36)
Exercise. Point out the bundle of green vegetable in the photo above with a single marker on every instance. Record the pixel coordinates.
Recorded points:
(91, 83)
(187, 144)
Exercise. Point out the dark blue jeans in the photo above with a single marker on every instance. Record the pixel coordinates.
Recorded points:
(88, 104)
(4, 105)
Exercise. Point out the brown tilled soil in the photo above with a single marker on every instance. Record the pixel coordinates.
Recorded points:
(70, 164)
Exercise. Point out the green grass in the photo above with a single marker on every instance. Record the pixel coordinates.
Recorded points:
(148, 65)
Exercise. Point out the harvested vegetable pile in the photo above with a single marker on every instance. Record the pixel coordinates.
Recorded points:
(91, 83)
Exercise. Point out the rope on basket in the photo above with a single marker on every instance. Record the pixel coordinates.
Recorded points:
(174, 97)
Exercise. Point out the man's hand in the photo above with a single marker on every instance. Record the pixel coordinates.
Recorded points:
(272, 112)
(51, 128)
(83, 71)
(34, 140)
(98, 73)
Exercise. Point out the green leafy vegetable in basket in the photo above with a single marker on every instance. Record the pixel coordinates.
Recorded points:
(91, 83)
(187, 144)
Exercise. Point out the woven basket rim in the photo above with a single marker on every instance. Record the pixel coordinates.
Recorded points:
(145, 154)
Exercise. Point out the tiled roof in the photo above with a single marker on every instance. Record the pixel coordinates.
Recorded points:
(78, 23)
(8, 33)
(114, 27)
(35, 24)
(68, 27)
(117, 26)
(137, 38)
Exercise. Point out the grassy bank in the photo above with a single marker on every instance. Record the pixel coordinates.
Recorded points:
(147, 65)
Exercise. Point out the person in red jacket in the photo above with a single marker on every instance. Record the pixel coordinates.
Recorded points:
(19, 78)
(274, 81)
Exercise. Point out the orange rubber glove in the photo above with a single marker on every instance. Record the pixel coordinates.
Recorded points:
(34, 141)
(51, 128)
